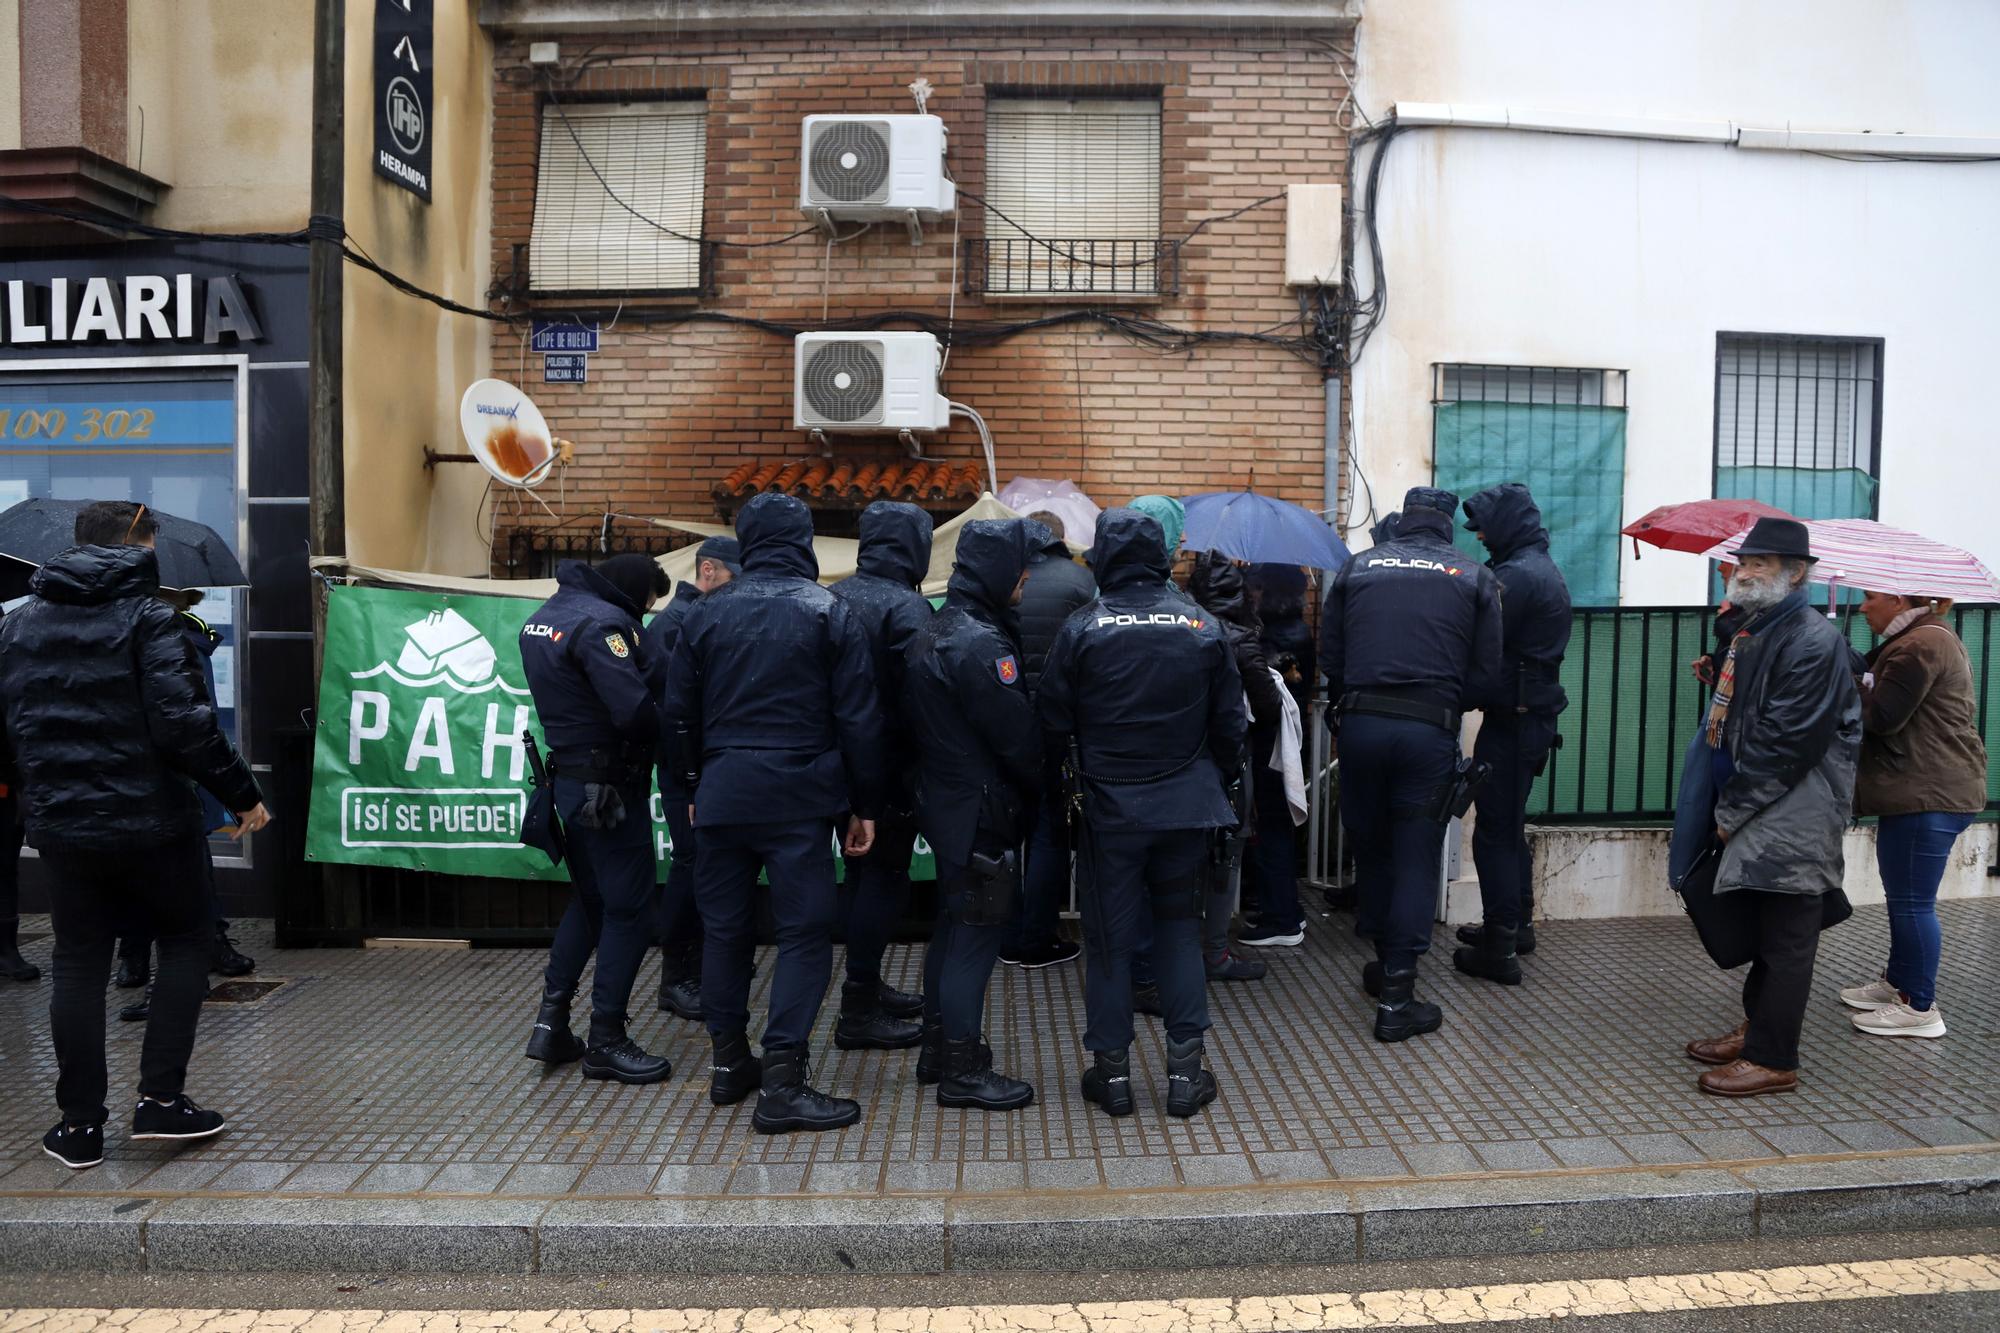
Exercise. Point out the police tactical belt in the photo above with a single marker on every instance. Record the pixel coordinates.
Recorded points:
(1390, 705)
(599, 764)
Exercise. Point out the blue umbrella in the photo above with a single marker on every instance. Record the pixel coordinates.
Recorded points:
(1244, 525)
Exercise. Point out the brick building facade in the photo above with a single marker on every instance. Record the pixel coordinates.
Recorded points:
(675, 406)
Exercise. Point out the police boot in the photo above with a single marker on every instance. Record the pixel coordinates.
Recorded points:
(12, 966)
(1108, 1082)
(1189, 1086)
(1146, 1000)
(788, 1103)
(971, 1081)
(1371, 978)
(1524, 937)
(898, 1003)
(734, 1073)
(615, 1056)
(865, 1025)
(930, 1052)
(552, 1042)
(1492, 958)
(1399, 1014)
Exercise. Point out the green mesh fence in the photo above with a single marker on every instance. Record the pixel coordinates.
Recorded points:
(1633, 705)
(1571, 457)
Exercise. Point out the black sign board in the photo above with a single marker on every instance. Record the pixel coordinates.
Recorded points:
(403, 99)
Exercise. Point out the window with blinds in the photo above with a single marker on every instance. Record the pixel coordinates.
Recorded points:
(1798, 422)
(1073, 194)
(608, 173)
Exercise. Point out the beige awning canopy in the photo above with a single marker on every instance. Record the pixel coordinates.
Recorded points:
(836, 557)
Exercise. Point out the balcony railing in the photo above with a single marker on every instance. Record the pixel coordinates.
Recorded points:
(1016, 265)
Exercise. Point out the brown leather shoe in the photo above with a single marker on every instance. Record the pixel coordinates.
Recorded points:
(1719, 1050)
(1743, 1079)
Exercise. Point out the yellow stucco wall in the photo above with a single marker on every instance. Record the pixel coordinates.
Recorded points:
(407, 362)
(10, 66)
(219, 106)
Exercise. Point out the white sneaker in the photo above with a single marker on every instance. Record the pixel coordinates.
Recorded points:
(1877, 994)
(1899, 1020)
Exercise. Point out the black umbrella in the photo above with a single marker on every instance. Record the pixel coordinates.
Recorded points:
(192, 555)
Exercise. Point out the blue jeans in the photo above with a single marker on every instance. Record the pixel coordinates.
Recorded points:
(1911, 851)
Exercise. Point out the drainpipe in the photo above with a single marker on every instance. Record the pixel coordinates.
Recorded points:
(1330, 493)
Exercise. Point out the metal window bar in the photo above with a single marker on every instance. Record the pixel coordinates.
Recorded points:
(1627, 669)
(1017, 265)
(1548, 386)
(1799, 403)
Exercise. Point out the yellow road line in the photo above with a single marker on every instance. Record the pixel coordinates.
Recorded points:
(1934, 1275)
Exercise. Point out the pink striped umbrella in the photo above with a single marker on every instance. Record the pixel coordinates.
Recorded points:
(1868, 556)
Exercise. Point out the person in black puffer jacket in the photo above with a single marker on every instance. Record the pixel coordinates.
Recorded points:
(110, 734)
(885, 606)
(1057, 587)
(1271, 907)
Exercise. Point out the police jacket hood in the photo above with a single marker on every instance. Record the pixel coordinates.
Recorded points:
(1416, 524)
(1508, 518)
(576, 576)
(105, 713)
(1534, 603)
(776, 533)
(895, 542)
(1130, 548)
(991, 555)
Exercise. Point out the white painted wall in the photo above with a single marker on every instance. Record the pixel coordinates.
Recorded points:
(1537, 249)
(1585, 873)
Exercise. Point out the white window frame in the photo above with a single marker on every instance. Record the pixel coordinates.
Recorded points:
(653, 156)
(1051, 228)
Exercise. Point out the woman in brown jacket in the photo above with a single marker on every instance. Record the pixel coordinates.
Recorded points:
(1923, 770)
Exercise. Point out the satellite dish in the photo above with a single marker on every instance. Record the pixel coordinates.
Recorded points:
(506, 433)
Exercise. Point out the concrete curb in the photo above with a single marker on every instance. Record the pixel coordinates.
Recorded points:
(74, 1232)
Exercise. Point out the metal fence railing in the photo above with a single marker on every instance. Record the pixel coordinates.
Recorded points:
(1633, 705)
(534, 553)
(1018, 265)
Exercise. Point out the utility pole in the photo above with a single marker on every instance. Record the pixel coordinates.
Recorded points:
(324, 273)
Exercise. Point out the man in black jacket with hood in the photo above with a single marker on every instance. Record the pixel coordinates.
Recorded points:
(110, 735)
(773, 682)
(598, 704)
(1410, 641)
(979, 762)
(884, 604)
(718, 560)
(1147, 688)
(1517, 732)
(1057, 588)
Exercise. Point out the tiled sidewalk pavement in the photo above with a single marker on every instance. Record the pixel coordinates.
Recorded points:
(398, 1072)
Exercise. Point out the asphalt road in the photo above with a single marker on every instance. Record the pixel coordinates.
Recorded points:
(1424, 1284)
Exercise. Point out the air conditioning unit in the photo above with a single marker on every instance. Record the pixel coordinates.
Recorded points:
(867, 382)
(875, 168)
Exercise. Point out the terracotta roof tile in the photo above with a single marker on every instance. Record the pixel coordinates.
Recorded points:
(851, 481)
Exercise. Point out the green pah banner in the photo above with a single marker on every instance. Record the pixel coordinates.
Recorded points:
(418, 761)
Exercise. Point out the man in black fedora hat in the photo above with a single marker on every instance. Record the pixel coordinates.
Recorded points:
(1784, 735)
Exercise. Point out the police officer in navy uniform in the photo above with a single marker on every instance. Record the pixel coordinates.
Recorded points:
(884, 603)
(716, 562)
(1517, 733)
(772, 688)
(1141, 689)
(979, 770)
(600, 717)
(1409, 642)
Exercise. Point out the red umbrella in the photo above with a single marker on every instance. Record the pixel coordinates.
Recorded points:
(1697, 525)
